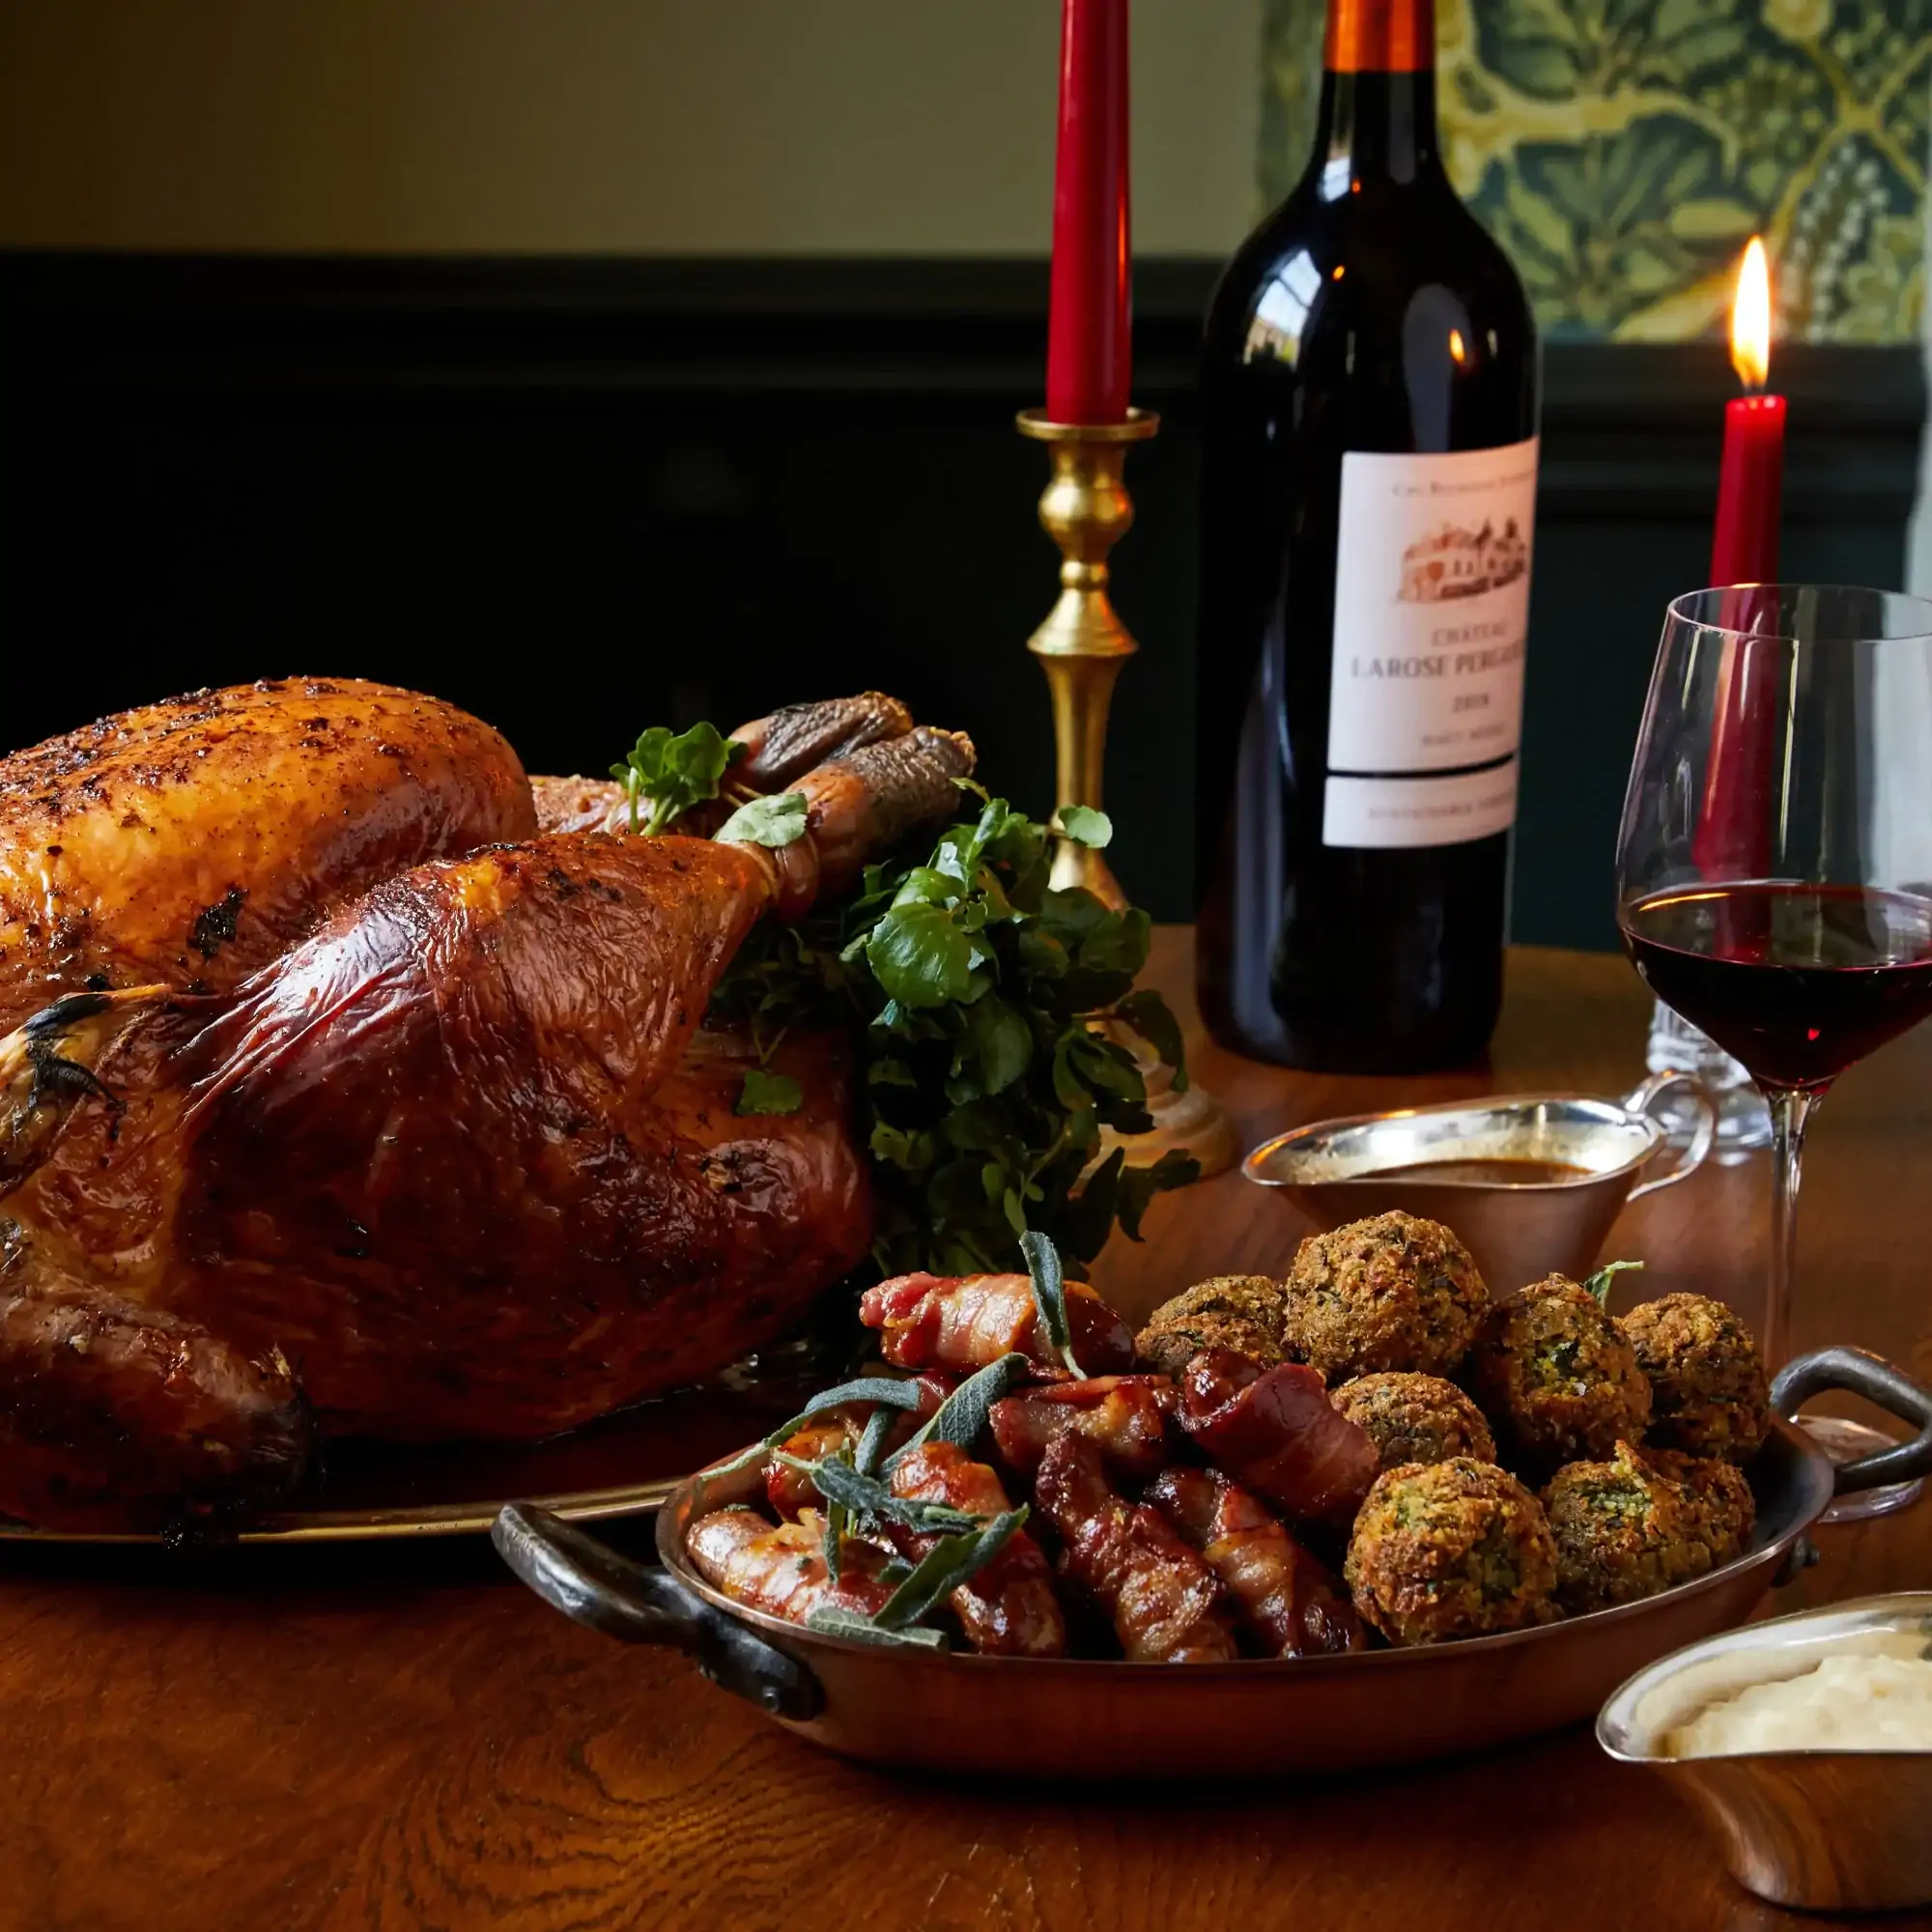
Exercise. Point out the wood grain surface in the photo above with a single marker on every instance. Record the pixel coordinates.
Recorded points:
(404, 1738)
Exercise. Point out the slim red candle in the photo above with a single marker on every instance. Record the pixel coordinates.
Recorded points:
(1090, 339)
(1733, 837)
(1743, 544)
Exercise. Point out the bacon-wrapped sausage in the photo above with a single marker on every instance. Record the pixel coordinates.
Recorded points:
(1286, 1598)
(1162, 1598)
(781, 1571)
(1123, 1416)
(1277, 1431)
(790, 1490)
(962, 1322)
(1009, 1609)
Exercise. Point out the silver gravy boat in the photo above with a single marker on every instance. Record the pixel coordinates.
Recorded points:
(1338, 1171)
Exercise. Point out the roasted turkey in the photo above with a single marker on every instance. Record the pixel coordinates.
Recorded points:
(352, 1083)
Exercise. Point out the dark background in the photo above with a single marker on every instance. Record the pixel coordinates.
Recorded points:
(579, 497)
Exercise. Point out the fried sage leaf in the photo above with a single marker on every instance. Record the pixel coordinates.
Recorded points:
(882, 1391)
(850, 1623)
(872, 1444)
(869, 1501)
(951, 1561)
(1049, 1296)
(961, 1417)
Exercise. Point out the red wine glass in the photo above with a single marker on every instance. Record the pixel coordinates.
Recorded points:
(1774, 864)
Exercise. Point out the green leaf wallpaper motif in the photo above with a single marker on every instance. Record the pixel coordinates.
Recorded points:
(1623, 151)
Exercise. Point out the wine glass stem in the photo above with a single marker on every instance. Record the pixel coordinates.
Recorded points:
(1791, 1110)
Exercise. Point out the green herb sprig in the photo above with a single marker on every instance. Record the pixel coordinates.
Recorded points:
(775, 821)
(666, 773)
(975, 990)
(1600, 1283)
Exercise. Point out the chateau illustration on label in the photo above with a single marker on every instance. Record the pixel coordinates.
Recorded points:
(1452, 561)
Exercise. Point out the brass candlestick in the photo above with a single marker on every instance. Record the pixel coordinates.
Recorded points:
(1086, 510)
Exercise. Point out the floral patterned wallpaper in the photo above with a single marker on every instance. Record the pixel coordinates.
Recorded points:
(1625, 150)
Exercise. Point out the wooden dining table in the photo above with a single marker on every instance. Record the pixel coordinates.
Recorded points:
(400, 1736)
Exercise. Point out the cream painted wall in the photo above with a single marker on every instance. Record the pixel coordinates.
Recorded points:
(839, 127)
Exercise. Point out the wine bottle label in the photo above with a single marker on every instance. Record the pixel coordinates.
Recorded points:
(1431, 606)
(1447, 811)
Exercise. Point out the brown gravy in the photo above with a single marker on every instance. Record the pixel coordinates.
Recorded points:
(1498, 1172)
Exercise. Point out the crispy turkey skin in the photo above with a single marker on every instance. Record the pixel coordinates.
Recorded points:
(455, 1157)
(190, 843)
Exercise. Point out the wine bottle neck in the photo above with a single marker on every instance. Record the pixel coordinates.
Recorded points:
(1377, 93)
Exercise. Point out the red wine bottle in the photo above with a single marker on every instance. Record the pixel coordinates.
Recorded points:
(1370, 376)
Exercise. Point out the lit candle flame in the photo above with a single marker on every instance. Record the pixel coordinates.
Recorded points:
(1750, 318)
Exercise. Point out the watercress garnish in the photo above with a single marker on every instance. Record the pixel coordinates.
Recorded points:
(1084, 824)
(978, 996)
(762, 1091)
(666, 773)
(775, 821)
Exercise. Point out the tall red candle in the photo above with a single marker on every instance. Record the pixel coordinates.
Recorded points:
(1089, 332)
(1743, 544)
(1733, 836)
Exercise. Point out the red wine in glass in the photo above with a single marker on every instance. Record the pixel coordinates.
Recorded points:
(1798, 981)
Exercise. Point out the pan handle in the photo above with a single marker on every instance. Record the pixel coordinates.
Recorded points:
(591, 1584)
(1878, 1381)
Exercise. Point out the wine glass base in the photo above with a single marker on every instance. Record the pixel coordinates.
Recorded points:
(1845, 1442)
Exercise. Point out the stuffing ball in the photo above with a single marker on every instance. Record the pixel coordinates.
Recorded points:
(1415, 1418)
(1718, 1491)
(1393, 1292)
(1708, 1394)
(1451, 1550)
(1241, 1312)
(1629, 1528)
(1557, 1377)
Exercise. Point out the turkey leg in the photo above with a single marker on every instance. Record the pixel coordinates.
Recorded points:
(116, 1417)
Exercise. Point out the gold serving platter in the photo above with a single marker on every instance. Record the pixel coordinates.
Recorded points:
(623, 1466)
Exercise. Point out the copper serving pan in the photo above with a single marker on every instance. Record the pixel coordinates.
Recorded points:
(1075, 1719)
